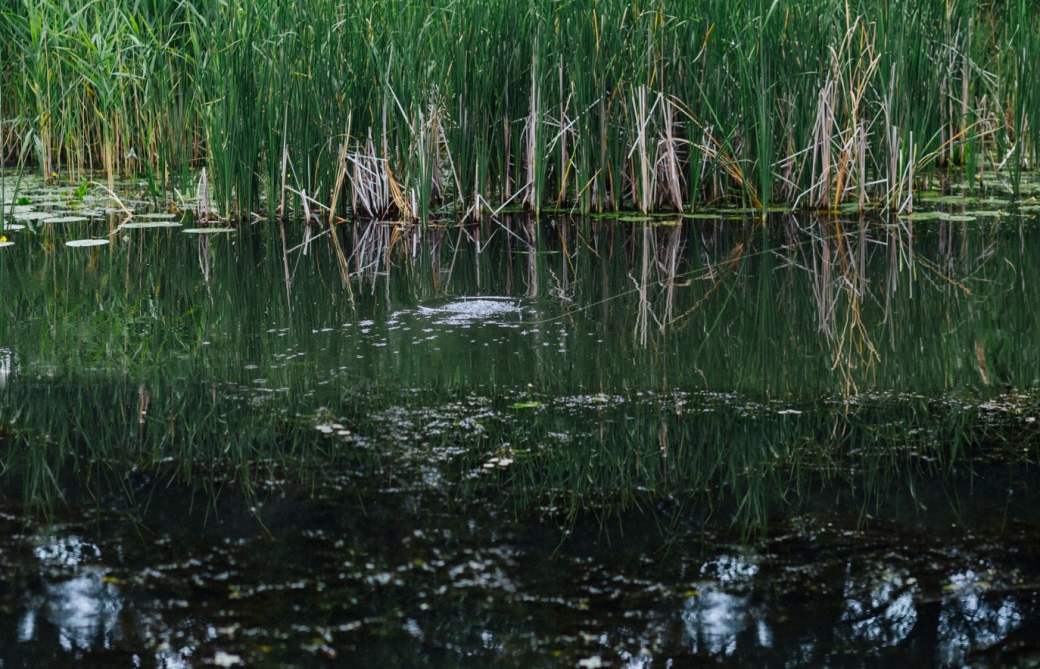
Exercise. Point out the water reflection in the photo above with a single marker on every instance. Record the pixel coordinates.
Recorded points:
(7, 365)
(972, 620)
(482, 582)
(540, 374)
(713, 620)
(86, 612)
(882, 613)
(78, 600)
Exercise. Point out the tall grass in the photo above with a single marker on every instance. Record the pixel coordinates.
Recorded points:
(591, 105)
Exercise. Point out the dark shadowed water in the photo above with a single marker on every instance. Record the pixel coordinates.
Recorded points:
(662, 442)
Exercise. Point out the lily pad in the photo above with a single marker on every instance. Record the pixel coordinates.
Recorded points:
(924, 216)
(155, 217)
(952, 199)
(702, 216)
(3, 244)
(635, 219)
(65, 219)
(525, 405)
(86, 242)
(13, 227)
(149, 224)
(207, 231)
(33, 216)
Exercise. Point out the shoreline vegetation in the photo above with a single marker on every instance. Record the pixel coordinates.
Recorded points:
(388, 109)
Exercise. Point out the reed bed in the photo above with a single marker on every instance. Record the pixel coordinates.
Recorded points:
(407, 110)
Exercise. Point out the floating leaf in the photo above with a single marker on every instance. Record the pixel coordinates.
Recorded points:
(207, 231)
(924, 216)
(13, 227)
(149, 224)
(86, 242)
(525, 405)
(3, 244)
(33, 216)
(64, 219)
(953, 199)
(156, 216)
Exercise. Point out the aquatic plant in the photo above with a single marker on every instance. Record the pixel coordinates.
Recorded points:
(393, 109)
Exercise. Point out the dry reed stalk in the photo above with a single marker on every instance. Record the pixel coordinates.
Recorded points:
(341, 175)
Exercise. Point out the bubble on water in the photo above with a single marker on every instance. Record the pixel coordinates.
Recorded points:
(467, 310)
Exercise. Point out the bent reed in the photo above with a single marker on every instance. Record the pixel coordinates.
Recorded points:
(394, 108)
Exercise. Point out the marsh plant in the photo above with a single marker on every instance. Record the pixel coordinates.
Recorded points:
(386, 108)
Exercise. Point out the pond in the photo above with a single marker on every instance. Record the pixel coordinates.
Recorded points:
(586, 442)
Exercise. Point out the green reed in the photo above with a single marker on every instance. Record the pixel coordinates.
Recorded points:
(593, 105)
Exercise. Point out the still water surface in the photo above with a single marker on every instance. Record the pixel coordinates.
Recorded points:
(562, 443)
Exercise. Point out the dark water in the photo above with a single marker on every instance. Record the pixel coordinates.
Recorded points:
(570, 442)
